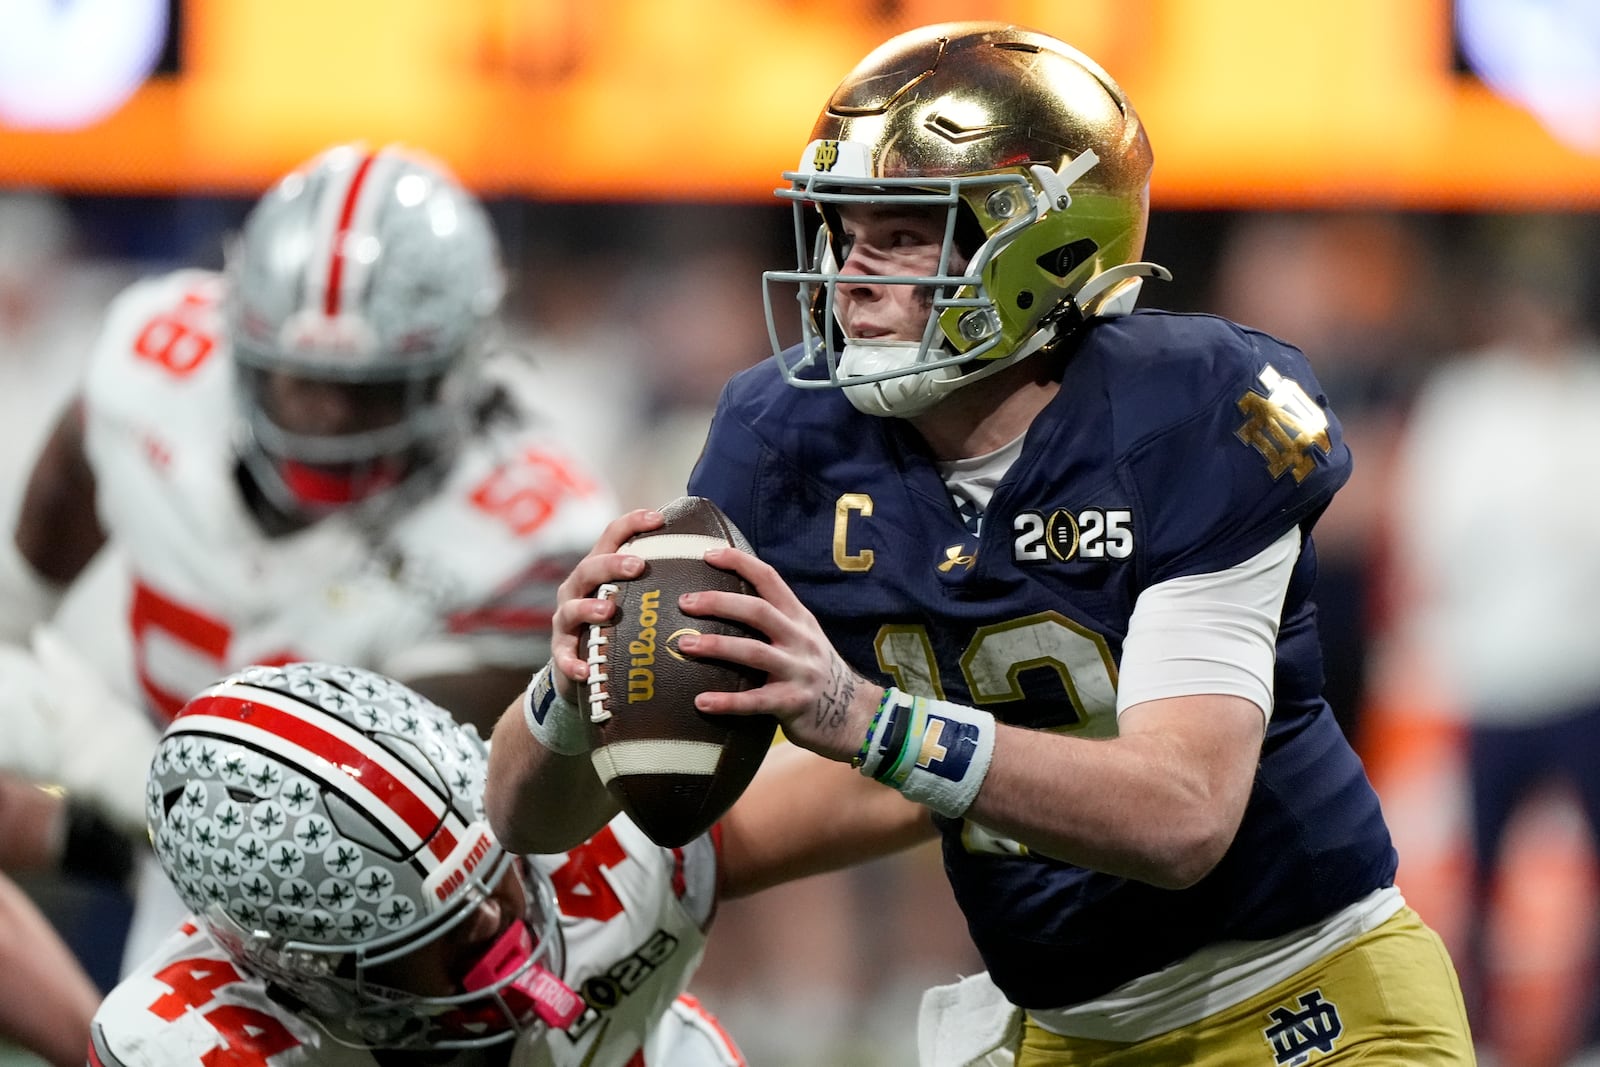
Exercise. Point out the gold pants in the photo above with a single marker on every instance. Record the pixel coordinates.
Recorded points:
(1388, 998)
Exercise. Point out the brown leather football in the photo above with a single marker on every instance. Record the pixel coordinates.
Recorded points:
(674, 770)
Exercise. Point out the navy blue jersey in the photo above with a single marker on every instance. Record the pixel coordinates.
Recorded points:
(1177, 444)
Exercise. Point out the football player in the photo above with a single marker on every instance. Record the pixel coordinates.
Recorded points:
(320, 452)
(1038, 566)
(349, 904)
(316, 451)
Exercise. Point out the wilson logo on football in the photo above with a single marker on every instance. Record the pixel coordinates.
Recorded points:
(641, 678)
(641, 653)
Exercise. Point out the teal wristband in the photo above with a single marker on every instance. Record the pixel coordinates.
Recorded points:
(886, 737)
(914, 721)
(872, 728)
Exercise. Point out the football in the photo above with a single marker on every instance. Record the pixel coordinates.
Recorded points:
(674, 770)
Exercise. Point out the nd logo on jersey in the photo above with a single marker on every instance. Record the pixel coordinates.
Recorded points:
(1286, 426)
(1061, 535)
(1295, 1035)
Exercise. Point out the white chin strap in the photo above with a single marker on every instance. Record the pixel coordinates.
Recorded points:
(902, 396)
(1109, 294)
(908, 395)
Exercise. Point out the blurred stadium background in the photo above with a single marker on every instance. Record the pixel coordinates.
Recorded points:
(1355, 177)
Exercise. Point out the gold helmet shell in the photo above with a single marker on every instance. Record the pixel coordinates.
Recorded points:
(1038, 156)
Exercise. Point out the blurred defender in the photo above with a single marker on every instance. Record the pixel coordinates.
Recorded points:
(314, 452)
(319, 453)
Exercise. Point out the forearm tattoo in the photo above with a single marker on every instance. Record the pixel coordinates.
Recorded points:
(835, 703)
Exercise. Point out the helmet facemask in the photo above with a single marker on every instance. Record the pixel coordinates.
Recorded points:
(969, 333)
(409, 428)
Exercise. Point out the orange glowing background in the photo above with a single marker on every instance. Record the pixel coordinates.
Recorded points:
(1249, 102)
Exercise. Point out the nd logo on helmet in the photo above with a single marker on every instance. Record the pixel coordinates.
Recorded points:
(827, 155)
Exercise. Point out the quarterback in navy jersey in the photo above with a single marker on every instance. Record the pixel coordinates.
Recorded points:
(1168, 432)
(1040, 565)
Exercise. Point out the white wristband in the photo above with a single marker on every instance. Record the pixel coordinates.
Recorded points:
(29, 597)
(556, 723)
(935, 752)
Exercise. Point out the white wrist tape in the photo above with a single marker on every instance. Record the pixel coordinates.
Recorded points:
(28, 597)
(556, 723)
(935, 752)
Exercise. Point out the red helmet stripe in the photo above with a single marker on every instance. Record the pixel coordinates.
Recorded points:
(257, 715)
(347, 214)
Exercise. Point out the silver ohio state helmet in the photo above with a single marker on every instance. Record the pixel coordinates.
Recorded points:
(369, 269)
(322, 821)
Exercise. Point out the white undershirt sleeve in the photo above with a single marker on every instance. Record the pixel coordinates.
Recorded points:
(1209, 633)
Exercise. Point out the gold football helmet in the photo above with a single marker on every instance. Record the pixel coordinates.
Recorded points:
(1043, 169)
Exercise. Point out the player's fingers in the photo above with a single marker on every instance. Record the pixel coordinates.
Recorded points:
(595, 570)
(769, 585)
(745, 651)
(750, 611)
(601, 564)
(782, 700)
(622, 529)
(572, 619)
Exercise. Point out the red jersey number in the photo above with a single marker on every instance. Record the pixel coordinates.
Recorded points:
(150, 614)
(526, 492)
(250, 1036)
(178, 340)
(580, 882)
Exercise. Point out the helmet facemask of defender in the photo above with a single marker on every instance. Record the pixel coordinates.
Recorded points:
(362, 294)
(1041, 170)
(325, 826)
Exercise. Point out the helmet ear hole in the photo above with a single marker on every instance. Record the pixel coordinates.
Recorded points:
(1065, 259)
(169, 800)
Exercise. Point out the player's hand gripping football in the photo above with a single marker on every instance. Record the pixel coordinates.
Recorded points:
(576, 608)
(821, 702)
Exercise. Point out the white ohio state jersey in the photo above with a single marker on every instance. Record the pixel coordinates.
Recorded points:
(632, 920)
(465, 577)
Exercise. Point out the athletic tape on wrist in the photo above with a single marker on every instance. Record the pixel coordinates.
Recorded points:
(556, 723)
(935, 752)
(28, 597)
